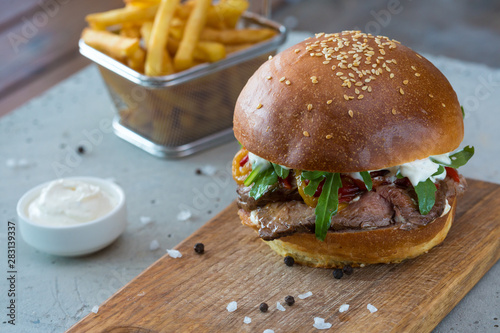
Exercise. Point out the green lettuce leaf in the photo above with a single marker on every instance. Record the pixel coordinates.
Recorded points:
(251, 177)
(459, 158)
(367, 179)
(262, 182)
(426, 194)
(328, 204)
(311, 188)
(280, 171)
(311, 175)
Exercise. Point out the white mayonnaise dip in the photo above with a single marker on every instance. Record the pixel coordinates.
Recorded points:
(257, 161)
(419, 170)
(68, 202)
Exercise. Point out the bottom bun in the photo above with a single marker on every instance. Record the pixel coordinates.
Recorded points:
(359, 248)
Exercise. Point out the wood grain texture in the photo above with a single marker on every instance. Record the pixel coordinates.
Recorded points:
(191, 293)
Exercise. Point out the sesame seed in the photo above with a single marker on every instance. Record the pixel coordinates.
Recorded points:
(282, 79)
(359, 84)
(443, 105)
(309, 107)
(326, 62)
(364, 88)
(340, 73)
(405, 82)
(393, 111)
(297, 50)
(329, 101)
(333, 67)
(431, 95)
(361, 96)
(392, 75)
(329, 136)
(259, 106)
(417, 74)
(382, 51)
(270, 57)
(356, 91)
(351, 114)
(418, 55)
(346, 97)
(269, 77)
(306, 133)
(369, 89)
(413, 67)
(313, 77)
(287, 82)
(401, 91)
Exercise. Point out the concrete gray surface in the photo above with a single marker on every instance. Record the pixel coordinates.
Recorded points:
(460, 29)
(54, 292)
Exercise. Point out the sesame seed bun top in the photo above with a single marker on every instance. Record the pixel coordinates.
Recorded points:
(348, 102)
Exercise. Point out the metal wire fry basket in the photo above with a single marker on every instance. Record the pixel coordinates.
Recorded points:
(179, 114)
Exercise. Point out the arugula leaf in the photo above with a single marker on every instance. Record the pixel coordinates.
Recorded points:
(426, 196)
(311, 175)
(252, 176)
(328, 204)
(280, 171)
(399, 175)
(311, 188)
(463, 112)
(367, 179)
(459, 158)
(261, 184)
(439, 171)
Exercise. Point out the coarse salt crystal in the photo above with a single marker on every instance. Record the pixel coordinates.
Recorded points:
(145, 220)
(232, 306)
(174, 253)
(184, 215)
(154, 245)
(306, 295)
(209, 170)
(142, 293)
(344, 308)
(320, 324)
(95, 309)
(279, 306)
(247, 320)
(371, 308)
(268, 331)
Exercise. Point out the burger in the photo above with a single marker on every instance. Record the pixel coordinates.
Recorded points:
(349, 151)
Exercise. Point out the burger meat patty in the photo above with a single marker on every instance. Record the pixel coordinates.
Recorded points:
(282, 212)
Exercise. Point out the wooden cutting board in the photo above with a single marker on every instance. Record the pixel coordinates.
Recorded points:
(190, 294)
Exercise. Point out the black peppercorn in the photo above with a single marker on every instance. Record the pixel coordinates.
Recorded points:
(81, 150)
(263, 307)
(289, 261)
(199, 248)
(290, 300)
(337, 273)
(198, 171)
(347, 269)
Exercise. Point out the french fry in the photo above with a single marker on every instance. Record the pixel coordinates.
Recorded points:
(141, 3)
(240, 36)
(237, 47)
(204, 51)
(119, 16)
(116, 46)
(184, 57)
(229, 11)
(146, 32)
(157, 58)
(136, 60)
(130, 30)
